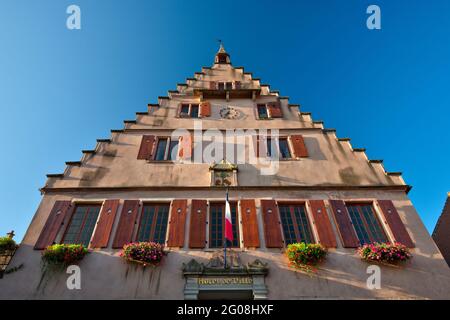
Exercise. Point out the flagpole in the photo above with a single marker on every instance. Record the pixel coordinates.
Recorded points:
(225, 238)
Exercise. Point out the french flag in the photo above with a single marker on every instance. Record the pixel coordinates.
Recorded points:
(228, 223)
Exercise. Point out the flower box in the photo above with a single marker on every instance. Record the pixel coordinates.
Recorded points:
(390, 253)
(145, 253)
(305, 255)
(63, 254)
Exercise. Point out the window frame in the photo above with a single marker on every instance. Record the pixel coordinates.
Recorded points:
(153, 223)
(288, 144)
(167, 149)
(83, 223)
(305, 230)
(367, 229)
(189, 113)
(236, 230)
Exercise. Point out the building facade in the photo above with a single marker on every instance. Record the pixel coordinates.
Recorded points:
(441, 233)
(163, 178)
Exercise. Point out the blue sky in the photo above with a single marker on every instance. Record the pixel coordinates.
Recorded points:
(60, 89)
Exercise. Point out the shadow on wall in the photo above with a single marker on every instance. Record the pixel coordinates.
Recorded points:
(342, 276)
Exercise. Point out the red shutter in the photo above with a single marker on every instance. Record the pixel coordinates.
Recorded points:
(275, 110)
(322, 223)
(61, 210)
(395, 223)
(105, 224)
(212, 85)
(260, 146)
(145, 151)
(271, 220)
(298, 144)
(197, 230)
(177, 223)
(185, 147)
(249, 223)
(205, 109)
(128, 216)
(344, 224)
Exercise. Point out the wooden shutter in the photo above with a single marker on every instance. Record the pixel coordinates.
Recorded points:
(322, 223)
(212, 85)
(197, 230)
(249, 223)
(271, 220)
(177, 223)
(344, 224)
(395, 223)
(185, 150)
(205, 109)
(260, 146)
(146, 149)
(61, 210)
(275, 110)
(105, 224)
(298, 144)
(128, 216)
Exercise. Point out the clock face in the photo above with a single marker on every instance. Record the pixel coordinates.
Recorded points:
(229, 113)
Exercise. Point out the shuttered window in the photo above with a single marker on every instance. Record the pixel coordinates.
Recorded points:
(217, 225)
(189, 110)
(81, 225)
(295, 223)
(367, 227)
(153, 223)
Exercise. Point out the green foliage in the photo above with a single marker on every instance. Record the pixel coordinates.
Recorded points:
(6, 243)
(305, 255)
(63, 254)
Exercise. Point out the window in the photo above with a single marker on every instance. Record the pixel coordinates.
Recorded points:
(217, 225)
(283, 148)
(153, 223)
(189, 110)
(367, 227)
(221, 85)
(173, 150)
(160, 153)
(81, 225)
(229, 85)
(295, 223)
(262, 111)
(166, 149)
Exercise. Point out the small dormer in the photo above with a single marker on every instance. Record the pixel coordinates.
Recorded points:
(222, 57)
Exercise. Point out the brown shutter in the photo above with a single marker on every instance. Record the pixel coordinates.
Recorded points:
(344, 224)
(205, 109)
(275, 110)
(271, 220)
(177, 223)
(395, 223)
(61, 210)
(185, 147)
(128, 216)
(322, 223)
(197, 230)
(105, 224)
(298, 144)
(237, 85)
(146, 149)
(212, 85)
(260, 146)
(249, 223)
